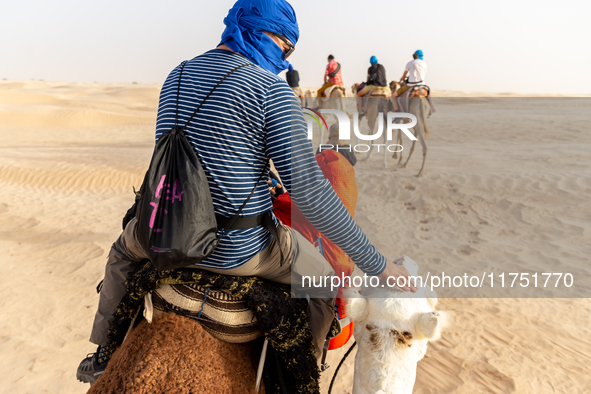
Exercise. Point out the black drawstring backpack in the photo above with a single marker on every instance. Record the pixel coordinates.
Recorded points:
(177, 225)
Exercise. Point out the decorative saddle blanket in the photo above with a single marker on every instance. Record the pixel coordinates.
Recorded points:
(329, 90)
(380, 92)
(419, 91)
(415, 91)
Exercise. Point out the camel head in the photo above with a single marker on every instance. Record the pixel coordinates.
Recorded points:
(392, 329)
(394, 85)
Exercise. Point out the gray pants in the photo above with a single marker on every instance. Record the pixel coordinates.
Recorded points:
(300, 258)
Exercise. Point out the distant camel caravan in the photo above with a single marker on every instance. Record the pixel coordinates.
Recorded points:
(333, 98)
(377, 102)
(420, 108)
(392, 329)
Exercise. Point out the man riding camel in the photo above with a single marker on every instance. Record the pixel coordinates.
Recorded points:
(376, 79)
(415, 70)
(253, 118)
(332, 75)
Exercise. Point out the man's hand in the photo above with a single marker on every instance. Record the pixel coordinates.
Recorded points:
(395, 271)
(273, 185)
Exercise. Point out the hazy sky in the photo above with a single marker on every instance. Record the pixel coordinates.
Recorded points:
(519, 45)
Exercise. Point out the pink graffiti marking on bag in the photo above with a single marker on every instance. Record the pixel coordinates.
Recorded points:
(177, 194)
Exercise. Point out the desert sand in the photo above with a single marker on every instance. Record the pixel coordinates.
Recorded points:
(500, 185)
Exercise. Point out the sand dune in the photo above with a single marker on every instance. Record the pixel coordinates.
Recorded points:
(506, 186)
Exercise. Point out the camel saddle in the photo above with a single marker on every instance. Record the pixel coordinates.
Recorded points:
(386, 92)
(419, 91)
(223, 315)
(329, 90)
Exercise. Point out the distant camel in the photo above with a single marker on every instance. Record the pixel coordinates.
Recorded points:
(378, 102)
(168, 356)
(419, 107)
(392, 329)
(335, 99)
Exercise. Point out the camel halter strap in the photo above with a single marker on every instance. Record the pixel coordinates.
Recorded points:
(339, 366)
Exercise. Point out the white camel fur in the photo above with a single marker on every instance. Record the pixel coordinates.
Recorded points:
(392, 329)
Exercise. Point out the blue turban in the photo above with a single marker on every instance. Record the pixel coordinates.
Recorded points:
(245, 23)
(419, 54)
(373, 60)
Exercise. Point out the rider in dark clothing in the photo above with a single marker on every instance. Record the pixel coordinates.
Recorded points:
(377, 75)
(293, 80)
(292, 77)
(376, 80)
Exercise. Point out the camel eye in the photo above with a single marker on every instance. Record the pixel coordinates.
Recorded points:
(370, 327)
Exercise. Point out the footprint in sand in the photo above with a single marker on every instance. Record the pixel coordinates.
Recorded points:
(424, 221)
(459, 204)
(424, 229)
(409, 187)
(462, 211)
(409, 206)
(483, 222)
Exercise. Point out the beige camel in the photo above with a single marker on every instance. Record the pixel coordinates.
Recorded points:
(394, 86)
(376, 112)
(420, 108)
(334, 99)
(158, 358)
(392, 329)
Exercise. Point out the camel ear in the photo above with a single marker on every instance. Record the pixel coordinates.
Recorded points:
(357, 308)
(429, 325)
(431, 297)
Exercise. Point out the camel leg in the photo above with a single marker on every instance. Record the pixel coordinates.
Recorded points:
(371, 115)
(385, 145)
(368, 154)
(422, 141)
(412, 149)
(399, 142)
(421, 135)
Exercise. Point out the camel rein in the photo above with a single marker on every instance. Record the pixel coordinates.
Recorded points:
(339, 366)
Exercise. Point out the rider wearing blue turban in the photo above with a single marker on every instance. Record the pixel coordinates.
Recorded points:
(415, 70)
(247, 21)
(229, 139)
(376, 80)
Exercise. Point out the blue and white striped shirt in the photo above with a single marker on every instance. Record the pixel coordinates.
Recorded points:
(251, 117)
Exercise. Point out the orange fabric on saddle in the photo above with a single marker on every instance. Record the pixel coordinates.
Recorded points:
(341, 175)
